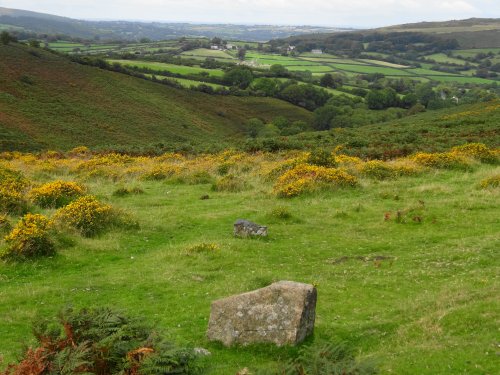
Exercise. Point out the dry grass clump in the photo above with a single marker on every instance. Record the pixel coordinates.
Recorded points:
(56, 194)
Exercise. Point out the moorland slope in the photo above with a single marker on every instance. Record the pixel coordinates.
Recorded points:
(47, 101)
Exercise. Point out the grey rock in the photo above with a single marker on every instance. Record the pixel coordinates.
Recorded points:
(245, 228)
(282, 313)
(201, 352)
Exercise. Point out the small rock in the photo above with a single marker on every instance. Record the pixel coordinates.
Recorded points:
(205, 197)
(202, 352)
(245, 228)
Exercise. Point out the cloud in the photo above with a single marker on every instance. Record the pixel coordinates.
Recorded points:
(315, 12)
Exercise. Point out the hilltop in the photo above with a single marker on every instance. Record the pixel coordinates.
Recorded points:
(469, 33)
(49, 102)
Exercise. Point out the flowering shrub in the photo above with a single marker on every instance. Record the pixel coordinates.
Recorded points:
(347, 160)
(490, 182)
(12, 179)
(477, 151)
(56, 194)
(4, 223)
(381, 170)
(305, 177)
(161, 173)
(87, 215)
(30, 238)
(11, 200)
(377, 169)
(444, 160)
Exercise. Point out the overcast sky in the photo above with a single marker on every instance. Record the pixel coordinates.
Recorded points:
(359, 13)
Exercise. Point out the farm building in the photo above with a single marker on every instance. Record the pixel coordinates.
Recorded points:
(317, 51)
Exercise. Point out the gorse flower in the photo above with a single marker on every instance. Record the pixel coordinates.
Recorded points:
(87, 215)
(56, 194)
(305, 177)
(30, 238)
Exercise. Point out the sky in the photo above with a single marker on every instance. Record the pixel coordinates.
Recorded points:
(350, 13)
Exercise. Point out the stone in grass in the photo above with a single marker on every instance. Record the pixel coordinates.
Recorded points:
(282, 313)
(245, 228)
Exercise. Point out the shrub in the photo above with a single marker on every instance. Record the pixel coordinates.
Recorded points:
(281, 212)
(305, 177)
(161, 173)
(86, 214)
(11, 200)
(490, 182)
(444, 160)
(56, 194)
(377, 169)
(230, 183)
(101, 341)
(4, 224)
(322, 158)
(30, 238)
(477, 151)
(12, 179)
(122, 192)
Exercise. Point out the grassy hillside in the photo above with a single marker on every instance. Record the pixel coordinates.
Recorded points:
(430, 131)
(470, 33)
(406, 264)
(49, 102)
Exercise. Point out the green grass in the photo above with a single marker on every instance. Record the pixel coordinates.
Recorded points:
(443, 58)
(428, 307)
(366, 69)
(203, 52)
(67, 105)
(178, 69)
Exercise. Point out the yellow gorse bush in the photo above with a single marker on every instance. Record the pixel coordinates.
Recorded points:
(442, 160)
(12, 186)
(87, 215)
(30, 237)
(490, 182)
(477, 151)
(305, 177)
(56, 194)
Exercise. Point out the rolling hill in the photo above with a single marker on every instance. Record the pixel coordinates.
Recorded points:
(47, 101)
(470, 33)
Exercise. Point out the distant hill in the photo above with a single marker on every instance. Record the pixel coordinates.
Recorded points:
(125, 30)
(470, 33)
(49, 102)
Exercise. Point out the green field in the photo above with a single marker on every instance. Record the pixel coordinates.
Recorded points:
(203, 52)
(442, 58)
(177, 69)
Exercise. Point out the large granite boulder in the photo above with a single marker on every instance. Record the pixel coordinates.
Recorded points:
(282, 313)
(245, 228)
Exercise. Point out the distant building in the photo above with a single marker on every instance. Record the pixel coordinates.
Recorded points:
(215, 47)
(291, 48)
(317, 51)
(230, 46)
